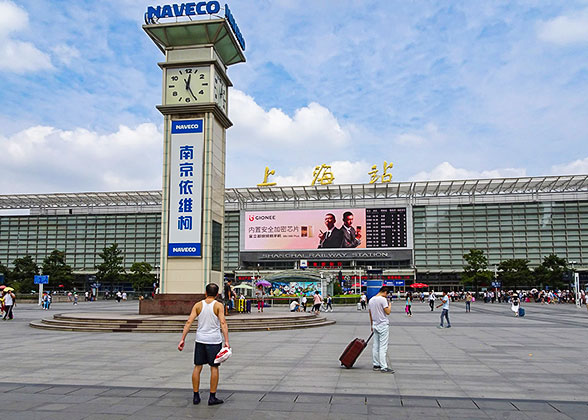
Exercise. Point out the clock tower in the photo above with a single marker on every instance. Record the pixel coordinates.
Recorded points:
(195, 110)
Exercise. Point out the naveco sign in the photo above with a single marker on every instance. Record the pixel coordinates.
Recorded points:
(154, 13)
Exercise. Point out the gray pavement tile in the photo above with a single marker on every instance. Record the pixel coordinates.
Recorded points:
(53, 407)
(36, 398)
(33, 389)
(151, 393)
(232, 414)
(59, 390)
(342, 416)
(314, 399)
(464, 413)
(74, 399)
(120, 392)
(172, 402)
(155, 411)
(21, 415)
(241, 396)
(279, 397)
(122, 408)
(542, 415)
(311, 407)
(533, 406)
(90, 390)
(141, 401)
(419, 402)
(275, 406)
(574, 410)
(348, 399)
(107, 400)
(64, 416)
(20, 405)
(501, 405)
(384, 401)
(270, 415)
(105, 417)
(506, 415)
(349, 408)
(9, 387)
(456, 403)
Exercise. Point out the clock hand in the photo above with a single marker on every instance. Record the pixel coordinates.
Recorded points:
(191, 93)
(188, 81)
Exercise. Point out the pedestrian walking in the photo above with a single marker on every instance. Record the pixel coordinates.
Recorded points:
(303, 303)
(445, 310)
(211, 323)
(259, 298)
(9, 299)
(468, 301)
(118, 296)
(317, 302)
(329, 301)
(379, 309)
(228, 296)
(432, 299)
(363, 301)
(408, 308)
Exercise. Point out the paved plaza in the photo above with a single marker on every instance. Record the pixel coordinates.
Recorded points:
(489, 365)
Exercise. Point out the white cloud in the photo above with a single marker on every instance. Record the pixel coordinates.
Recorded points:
(564, 30)
(577, 167)
(446, 171)
(46, 159)
(65, 53)
(18, 56)
(311, 125)
(428, 134)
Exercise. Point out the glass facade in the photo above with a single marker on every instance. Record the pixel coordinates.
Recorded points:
(82, 237)
(532, 230)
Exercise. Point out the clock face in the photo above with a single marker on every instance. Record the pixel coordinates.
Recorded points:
(187, 85)
(220, 92)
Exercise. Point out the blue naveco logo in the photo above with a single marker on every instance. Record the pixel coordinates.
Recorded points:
(154, 13)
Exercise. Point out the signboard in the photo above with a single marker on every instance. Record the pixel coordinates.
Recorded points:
(185, 189)
(303, 263)
(496, 284)
(394, 283)
(41, 279)
(343, 229)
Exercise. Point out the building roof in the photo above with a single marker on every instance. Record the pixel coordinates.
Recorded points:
(407, 190)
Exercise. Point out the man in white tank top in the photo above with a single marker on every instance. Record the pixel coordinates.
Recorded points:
(211, 321)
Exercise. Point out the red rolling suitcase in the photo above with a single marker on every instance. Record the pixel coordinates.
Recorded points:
(353, 350)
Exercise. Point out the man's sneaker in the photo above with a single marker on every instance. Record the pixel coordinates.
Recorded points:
(376, 368)
(440, 326)
(214, 401)
(449, 326)
(387, 370)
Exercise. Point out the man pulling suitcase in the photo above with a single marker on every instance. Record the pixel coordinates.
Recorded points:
(379, 309)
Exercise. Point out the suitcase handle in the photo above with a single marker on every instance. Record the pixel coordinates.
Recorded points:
(369, 338)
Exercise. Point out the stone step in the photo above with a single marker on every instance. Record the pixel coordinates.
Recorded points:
(91, 327)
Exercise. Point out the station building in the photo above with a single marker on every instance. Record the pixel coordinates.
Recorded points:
(411, 230)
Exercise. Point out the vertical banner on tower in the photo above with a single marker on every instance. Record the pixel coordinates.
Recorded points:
(185, 203)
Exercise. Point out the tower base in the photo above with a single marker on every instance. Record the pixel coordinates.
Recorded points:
(170, 304)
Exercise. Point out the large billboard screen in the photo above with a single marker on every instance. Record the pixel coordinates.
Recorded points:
(357, 228)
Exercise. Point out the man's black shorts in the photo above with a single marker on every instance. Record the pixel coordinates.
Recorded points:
(206, 353)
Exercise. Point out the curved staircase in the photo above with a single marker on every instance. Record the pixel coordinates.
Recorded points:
(130, 322)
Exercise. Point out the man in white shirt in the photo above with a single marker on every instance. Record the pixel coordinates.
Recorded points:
(211, 323)
(445, 310)
(294, 306)
(432, 298)
(379, 309)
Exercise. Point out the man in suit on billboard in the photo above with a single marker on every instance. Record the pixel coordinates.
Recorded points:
(333, 237)
(351, 238)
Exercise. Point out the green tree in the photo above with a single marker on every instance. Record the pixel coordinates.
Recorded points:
(141, 276)
(59, 272)
(111, 270)
(551, 271)
(475, 272)
(514, 272)
(23, 274)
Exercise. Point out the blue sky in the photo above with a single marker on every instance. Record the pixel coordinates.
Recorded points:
(443, 89)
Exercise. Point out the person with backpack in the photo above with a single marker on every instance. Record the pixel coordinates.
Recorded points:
(9, 299)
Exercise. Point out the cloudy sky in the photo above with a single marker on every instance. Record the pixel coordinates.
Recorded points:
(443, 89)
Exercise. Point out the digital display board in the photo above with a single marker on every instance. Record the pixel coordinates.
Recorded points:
(355, 228)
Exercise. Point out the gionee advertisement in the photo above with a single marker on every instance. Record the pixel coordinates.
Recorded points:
(355, 228)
